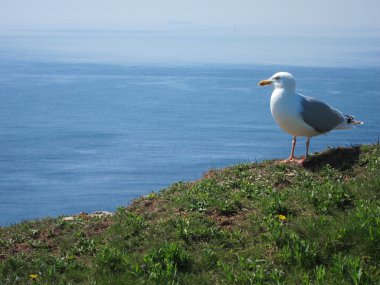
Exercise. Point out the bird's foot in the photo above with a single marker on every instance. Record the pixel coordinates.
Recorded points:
(301, 161)
(293, 159)
(290, 159)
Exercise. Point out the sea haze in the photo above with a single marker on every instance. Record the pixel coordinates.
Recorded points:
(81, 134)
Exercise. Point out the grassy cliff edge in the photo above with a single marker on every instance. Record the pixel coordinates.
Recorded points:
(257, 223)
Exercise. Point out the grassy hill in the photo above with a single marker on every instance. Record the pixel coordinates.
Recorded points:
(259, 223)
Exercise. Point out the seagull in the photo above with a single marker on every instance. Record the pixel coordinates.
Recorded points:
(302, 116)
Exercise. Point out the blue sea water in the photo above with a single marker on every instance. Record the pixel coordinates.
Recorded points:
(86, 135)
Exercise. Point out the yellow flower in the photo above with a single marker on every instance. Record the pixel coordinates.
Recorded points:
(282, 217)
(33, 276)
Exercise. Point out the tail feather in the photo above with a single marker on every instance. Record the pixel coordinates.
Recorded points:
(351, 120)
(349, 123)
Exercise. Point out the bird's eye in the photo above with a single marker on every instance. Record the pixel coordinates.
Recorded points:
(277, 78)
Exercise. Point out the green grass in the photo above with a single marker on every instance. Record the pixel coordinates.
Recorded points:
(222, 229)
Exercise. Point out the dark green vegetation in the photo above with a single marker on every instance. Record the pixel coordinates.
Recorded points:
(265, 223)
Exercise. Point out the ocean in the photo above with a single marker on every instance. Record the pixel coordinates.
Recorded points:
(82, 132)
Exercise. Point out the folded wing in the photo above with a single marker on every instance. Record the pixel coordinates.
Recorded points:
(319, 115)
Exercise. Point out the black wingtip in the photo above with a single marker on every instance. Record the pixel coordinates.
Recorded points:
(351, 120)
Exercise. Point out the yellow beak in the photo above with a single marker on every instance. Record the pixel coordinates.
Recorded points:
(265, 82)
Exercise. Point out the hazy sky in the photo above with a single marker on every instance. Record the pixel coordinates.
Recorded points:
(71, 14)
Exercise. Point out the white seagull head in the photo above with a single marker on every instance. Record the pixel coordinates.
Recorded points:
(281, 80)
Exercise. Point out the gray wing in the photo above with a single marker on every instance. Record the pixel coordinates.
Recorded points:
(319, 115)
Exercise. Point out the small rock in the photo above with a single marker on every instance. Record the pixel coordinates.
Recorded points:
(68, 219)
(100, 214)
(85, 216)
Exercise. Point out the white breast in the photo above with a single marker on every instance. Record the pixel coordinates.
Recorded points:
(286, 111)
